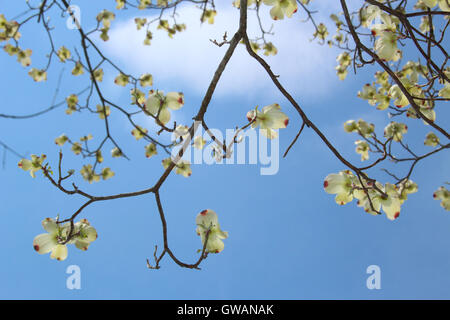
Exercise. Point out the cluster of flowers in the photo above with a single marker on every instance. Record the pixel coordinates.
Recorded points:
(10, 30)
(59, 236)
(346, 186)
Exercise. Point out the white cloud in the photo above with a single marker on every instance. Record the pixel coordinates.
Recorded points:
(190, 59)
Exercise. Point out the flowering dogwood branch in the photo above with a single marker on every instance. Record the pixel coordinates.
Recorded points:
(393, 82)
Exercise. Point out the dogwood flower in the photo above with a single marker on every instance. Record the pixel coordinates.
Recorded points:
(361, 127)
(395, 130)
(76, 148)
(368, 93)
(389, 202)
(24, 57)
(183, 168)
(88, 173)
(61, 140)
(158, 103)
(78, 69)
(57, 238)
(140, 22)
(427, 112)
(146, 80)
(362, 147)
(72, 102)
(400, 99)
(99, 156)
(199, 142)
(33, 165)
(209, 15)
(63, 54)
(98, 75)
(107, 173)
(280, 8)
(120, 4)
(52, 241)
(444, 195)
(368, 14)
(181, 131)
(38, 75)
(208, 224)
(344, 61)
(341, 184)
(321, 32)
(406, 188)
(431, 140)
(139, 132)
(150, 150)
(103, 111)
(122, 80)
(270, 49)
(269, 119)
(116, 152)
(386, 46)
(85, 234)
(106, 17)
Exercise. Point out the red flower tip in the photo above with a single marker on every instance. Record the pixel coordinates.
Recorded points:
(204, 212)
(325, 184)
(286, 122)
(396, 215)
(36, 247)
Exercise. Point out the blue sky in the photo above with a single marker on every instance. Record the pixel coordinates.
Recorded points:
(288, 238)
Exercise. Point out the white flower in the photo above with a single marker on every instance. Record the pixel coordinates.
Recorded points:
(180, 131)
(395, 130)
(281, 8)
(406, 188)
(207, 221)
(368, 14)
(444, 195)
(386, 46)
(33, 165)
(269, 119)
(157, 102)
(199, 142)
(57, 237)
(389, 202)
(431, 140)
(341, 184)
(51, 241)
(85, 234)
(362, 127)
(362, 147)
